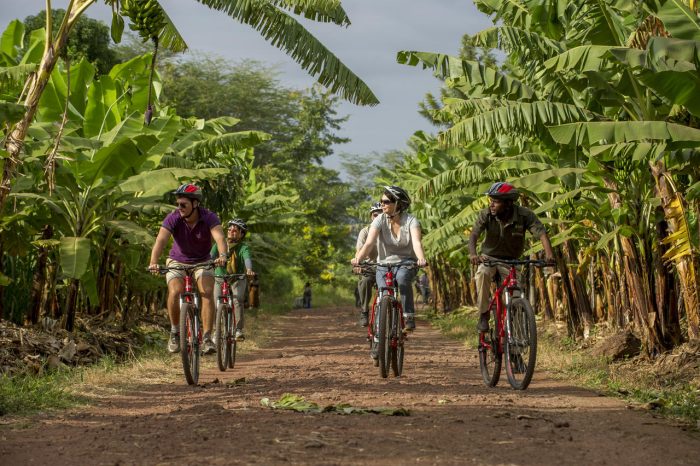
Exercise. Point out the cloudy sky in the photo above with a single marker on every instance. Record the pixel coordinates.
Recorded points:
(368, 46)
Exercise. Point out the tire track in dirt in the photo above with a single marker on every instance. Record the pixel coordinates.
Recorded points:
(322, 354)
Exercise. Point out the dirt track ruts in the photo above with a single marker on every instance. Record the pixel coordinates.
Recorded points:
(322, 355)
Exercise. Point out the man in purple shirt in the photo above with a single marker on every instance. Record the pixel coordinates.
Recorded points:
(192, 227)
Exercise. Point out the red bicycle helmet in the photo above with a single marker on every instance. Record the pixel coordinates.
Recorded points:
(189, 190)
(504, 191)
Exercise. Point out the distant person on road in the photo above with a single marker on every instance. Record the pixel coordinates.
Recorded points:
(239, 261)
(307, 296)
(366, 281)
(192, 228)
(505, 224)
(396, 233)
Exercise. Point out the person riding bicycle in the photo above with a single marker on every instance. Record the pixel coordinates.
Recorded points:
(365, 284)
(239, 261)
(396, 233)
(505, 224)
(192, 227)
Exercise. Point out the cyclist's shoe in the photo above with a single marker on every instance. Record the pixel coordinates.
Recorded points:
(240, 336)
(410, 321)
(174, 343)
(208, 346)
(364, 319)
(483, 325)
(373, 353)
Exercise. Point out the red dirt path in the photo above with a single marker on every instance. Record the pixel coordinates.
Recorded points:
(322, 355)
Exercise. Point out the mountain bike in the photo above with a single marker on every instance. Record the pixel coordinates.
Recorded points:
(226, 322)
(386, 329)
(190, 321)
(512, 330)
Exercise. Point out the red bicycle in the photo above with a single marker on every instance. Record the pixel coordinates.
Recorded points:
(226, 323)
(386, 329)
(512, 330)
(190, 326)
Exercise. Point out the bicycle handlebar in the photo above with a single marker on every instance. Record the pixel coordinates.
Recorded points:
(408, 263)
(186, 267)
(232, 276)
(537, 262)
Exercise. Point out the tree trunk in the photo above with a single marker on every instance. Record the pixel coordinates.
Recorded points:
(71, 303)
(684, 265)
(39, 279)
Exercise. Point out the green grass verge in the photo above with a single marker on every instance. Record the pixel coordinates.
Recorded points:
(670, 397)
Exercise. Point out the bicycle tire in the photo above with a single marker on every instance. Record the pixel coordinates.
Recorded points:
(490, 356)
(231, 339)
(384, 336)
(521, 345)
(222, 332)
(396, 351)
(189, 343)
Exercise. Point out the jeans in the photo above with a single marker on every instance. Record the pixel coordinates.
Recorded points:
(404, 277)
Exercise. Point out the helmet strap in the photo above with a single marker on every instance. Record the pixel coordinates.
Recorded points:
(187, 217)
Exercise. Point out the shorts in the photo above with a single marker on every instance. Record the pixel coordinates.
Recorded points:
(198, 273)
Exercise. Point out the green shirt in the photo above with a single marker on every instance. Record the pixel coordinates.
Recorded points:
(238, 253)
(506, 240)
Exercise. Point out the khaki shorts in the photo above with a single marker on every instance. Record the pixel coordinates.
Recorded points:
(198, 273)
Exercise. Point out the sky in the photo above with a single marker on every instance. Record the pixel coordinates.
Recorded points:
(379, 29)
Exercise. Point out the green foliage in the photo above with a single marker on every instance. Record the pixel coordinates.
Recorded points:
(297, 403)
(25, 394)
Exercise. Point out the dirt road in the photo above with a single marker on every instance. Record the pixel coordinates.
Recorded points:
(322, 355)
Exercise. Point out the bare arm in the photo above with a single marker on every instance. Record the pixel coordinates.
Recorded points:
(362, 253)
(473, 238)
(547, 245)
(416, 236)
(218, 234)
(158, 246)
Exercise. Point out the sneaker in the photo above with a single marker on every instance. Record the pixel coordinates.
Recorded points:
(483, 325)
(208, 347)
(174, 343)
(364, 319)
(240, 336)
(410, 322)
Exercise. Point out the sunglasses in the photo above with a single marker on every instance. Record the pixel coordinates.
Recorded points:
(181, 205)
(387, 202)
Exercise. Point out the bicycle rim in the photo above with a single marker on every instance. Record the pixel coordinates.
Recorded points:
(396, 343)
(187, 339)
(521, 344)
(231, 340)
(384, 337)
(221, 337)
(490, 357)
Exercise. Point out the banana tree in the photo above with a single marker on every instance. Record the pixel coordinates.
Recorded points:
(272, 18)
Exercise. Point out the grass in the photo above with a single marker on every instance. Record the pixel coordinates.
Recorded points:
(671, 396)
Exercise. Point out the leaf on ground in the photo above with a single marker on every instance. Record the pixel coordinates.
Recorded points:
(298, 403)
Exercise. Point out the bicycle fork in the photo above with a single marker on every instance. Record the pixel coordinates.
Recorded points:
(191, 297)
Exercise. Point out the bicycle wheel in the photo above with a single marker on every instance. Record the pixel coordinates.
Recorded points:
(231, 339)
(222, 336)
(189, 342)
(490, 356)
(397, 343)
(384, 336)
(521, 344)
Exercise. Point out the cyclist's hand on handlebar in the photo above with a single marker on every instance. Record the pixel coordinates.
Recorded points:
(421, 263)
(355, 261)
(154, 269)
(474, 259)
(220, 261)
(250, 273)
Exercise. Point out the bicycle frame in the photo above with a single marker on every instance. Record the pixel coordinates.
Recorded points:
(509, 283)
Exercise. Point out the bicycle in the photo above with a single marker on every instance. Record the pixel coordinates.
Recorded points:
(190, 328)
(386, 330)
(226, 323)
(512, 332)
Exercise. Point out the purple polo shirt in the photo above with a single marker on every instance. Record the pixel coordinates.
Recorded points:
(191, 245)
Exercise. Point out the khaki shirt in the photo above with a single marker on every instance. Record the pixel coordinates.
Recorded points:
(506, 240)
